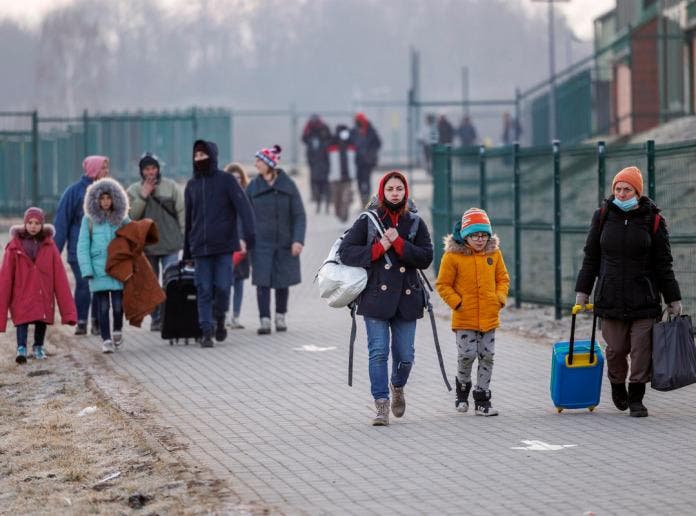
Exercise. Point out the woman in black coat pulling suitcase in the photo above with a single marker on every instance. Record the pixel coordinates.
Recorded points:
(628, 250)
(392, 301)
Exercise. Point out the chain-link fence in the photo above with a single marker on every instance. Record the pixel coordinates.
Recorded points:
(541, 200)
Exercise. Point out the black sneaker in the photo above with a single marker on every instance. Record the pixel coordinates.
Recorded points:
(207, 341)
(81, 328)
(95, 327)
(156, 326)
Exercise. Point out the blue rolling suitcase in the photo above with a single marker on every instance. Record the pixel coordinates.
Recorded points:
(576, 369)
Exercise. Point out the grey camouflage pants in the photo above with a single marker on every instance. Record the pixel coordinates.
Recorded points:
(470, 345)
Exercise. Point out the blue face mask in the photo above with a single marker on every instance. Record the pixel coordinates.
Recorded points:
(627, 204)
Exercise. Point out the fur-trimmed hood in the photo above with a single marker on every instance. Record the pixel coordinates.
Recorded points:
(456, 245)
(119, 202)
(48, 230)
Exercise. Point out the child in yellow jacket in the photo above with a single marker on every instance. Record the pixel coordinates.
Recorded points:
(474, 282)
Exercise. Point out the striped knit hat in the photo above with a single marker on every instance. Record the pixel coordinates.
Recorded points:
(271, 156)
(475, 220)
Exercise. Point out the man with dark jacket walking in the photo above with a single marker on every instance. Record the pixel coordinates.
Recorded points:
(213, 200)
(367, 144)
(159, 199)
(317, 137)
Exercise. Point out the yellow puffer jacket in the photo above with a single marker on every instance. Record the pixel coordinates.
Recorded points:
(474, 285)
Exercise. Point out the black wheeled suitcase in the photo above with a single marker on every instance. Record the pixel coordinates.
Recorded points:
(180, 314)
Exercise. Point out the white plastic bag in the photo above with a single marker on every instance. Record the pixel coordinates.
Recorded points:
(339, 284)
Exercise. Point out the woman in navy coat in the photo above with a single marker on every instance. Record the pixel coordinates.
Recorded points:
(393, 300)
(280, 233)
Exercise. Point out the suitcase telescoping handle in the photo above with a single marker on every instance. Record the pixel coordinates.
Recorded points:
(579, 308)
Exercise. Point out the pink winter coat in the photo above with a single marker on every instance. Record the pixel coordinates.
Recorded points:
(29, 288)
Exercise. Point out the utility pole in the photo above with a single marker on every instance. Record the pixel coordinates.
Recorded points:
(552, 69)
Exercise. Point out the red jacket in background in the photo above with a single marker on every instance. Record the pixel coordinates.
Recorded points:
(29, 289)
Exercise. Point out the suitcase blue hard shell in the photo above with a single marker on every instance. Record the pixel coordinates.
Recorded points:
(577, 368)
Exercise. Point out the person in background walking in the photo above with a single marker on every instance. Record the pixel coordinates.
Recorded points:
(240, 259)
(106, 210)
(342, 171)
(67, 222)
(367, 145)
(32, 278)
(159, 199)
(317, 137)
(428, 137)
(281, 224)
(467, 132)
(474, 282)
(393, 299)
(445, 130)
(511, 130)
(213, 201)
(628, 251)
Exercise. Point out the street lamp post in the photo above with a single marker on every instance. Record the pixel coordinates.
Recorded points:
(552, 69)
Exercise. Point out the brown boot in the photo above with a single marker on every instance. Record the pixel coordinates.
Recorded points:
(398, 401)
(382, 416)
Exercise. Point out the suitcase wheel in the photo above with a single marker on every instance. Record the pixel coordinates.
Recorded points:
(559, 409)
(591, 409)
(171, 342)
(186, 342)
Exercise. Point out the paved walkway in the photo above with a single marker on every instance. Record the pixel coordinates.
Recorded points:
(274, 415)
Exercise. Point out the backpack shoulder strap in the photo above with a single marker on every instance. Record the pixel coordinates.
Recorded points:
(656, 223)
(603, 213)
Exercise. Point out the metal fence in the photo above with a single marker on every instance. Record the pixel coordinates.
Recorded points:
(541, 200)
(41, 156)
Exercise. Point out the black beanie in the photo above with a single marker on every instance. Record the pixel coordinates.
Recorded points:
(200, 146)
(148, 160)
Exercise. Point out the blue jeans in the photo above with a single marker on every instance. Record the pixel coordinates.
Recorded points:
(238, 290)
(403, 334)
(23, 333)
(213, 279)
(263, 299)
(109, 299)
(83, 298)
(165, 260)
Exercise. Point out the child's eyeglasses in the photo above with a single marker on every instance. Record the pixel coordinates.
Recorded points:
(479, 236)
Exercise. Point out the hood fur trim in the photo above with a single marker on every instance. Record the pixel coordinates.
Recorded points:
(452, 246)
(48, 230)
(119, 202)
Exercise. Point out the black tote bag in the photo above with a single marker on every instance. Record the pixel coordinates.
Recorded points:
(673, 354)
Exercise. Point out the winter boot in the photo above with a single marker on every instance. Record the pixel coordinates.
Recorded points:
(118, 339)
(482, 402)
(636, 391)
(398, 401)
(220, 330)
(619, 395)
(39, 353)
(207, 340)
(21, 355)
(382, 416)
(81, 328)
(265, 328)
(280, 322)
(462, 401)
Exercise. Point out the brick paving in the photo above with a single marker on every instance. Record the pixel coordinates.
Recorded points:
(282, 426)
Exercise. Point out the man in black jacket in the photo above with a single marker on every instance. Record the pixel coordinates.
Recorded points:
(213, 199)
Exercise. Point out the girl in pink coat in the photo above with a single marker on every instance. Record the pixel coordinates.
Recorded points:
(32, 277)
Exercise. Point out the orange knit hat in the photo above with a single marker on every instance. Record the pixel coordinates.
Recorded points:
(475, 220)
(632, 176)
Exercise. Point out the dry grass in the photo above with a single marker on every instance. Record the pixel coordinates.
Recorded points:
(52, 461)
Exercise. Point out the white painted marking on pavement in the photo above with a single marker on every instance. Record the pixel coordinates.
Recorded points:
(313, 348)
(541, 446)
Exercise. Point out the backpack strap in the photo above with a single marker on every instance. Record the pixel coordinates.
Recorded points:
(656, 223)
(414, 227)
(373, 216)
